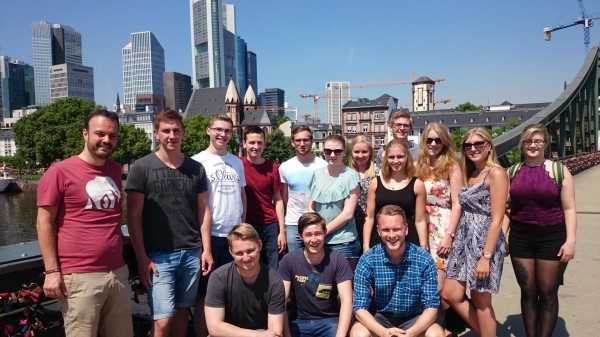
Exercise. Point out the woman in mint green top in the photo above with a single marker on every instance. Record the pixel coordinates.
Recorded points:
(334, 195)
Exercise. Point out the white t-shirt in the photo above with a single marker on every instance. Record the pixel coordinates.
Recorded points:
(297, 175)
(225, 180)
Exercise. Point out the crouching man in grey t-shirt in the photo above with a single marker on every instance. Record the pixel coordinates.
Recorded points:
(244, 295)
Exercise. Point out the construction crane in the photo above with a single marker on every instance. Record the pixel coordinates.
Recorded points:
(315, 98)
(383, 84)
(442, 101)
(584, 19)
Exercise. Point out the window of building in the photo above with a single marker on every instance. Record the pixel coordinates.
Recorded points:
(365, 127)
(379, 141)
(471, 120)
(365, 115)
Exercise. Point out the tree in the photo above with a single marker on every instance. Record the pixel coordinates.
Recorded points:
(196, 139)
(468, 106)
(278, 147)
(53, 132)
(280, 119)
(133, 144)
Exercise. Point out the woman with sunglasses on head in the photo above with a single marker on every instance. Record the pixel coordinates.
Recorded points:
(542, 230)
(334, 195)
(397, 185)
(438, 168)
(361, 160)
(477, 255)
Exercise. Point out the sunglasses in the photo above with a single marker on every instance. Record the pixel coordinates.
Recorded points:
(336, 151)
(431, 140)
(478, 145)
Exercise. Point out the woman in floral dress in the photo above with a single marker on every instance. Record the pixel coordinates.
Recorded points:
(361, 160)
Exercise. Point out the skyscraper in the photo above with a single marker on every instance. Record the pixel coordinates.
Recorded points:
(338, 93)
(53, 44)
(70, 80)
(273, 97)
(178, 90)
(251, 70)
(16, 86)
(143, 67)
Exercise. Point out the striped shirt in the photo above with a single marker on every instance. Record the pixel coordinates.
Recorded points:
(403, 290)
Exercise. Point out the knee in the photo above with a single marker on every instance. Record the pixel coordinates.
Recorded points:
(161, 326)
(452, 296)
(359, 330)
(435, 330)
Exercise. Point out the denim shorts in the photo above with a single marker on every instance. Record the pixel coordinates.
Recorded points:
(349, 250)
(176, 285)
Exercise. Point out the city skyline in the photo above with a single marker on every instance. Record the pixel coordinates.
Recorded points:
(487, 53)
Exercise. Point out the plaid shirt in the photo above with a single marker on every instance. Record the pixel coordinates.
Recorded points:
(405, 290)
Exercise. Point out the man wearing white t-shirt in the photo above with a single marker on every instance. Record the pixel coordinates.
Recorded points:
(226, 198)
(295, 174)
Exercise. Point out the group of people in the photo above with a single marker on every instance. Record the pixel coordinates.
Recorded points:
(311, 247)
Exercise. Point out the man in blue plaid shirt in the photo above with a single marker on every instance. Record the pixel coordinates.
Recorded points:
(403, 277)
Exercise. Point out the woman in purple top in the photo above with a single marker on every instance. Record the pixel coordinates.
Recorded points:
(542, 231)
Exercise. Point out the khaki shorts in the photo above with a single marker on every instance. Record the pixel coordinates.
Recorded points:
(97, 303)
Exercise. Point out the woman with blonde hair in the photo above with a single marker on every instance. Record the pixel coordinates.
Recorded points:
(542, 230)
(477, 255)
(438, 168)
(361, 160)
(397, 185)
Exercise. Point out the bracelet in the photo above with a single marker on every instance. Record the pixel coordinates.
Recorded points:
(46, 272)
(452, 234)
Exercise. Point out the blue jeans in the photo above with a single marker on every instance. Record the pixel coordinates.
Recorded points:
(323, 327)
(269, 254)
(176, 285)
(349, 250)
(293, 238)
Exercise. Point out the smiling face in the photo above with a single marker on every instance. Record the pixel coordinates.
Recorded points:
(393, 230)
(169, 134)
(401, 127)
(396, 159)
(313, 237)
(254, 145)
(534, 147)
(219, 133)
(246, 255)
(361, 155)
(302, 143)
(101, 137)
(476, 148)
(333, 152)
(434, 144)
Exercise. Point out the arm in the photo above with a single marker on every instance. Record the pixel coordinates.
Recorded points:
(345, 318)
(368, 321)
(368, 227)
(217, 327)
(275, 323)
(498, 185)
(284, 194)
(456, 185)
(287, 285)
(205, 220)
(47, 239)
(243, 194)
(420, 222)
(312, 205)
(567, 199)
(347, 213)
(280, 211)
(135, 205)
(423, 323)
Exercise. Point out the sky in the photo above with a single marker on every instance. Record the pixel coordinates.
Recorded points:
(487, 52)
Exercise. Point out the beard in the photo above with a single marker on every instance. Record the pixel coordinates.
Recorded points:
(97, 149)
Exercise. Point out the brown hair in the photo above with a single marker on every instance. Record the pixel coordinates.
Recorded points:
(391, 210)
(309, 219)
(446, 160)
(301, 128)
(220, 117)
(530, 130)
(466, 165)
(100, 112)
(409, 168)
(167, 115)
(336, 138)
(370, 172)
(242, 231)
(400, 114)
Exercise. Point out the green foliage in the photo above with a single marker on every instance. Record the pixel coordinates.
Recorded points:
(133, 144)
(280, 119)
(278, 147)
(53, 132)
(196, 139)
(457, 136)
(468, 106)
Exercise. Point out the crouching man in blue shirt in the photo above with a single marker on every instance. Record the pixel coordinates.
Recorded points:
(404, 281)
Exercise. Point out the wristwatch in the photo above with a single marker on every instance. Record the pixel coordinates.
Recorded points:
(486, 255)
(452, 234)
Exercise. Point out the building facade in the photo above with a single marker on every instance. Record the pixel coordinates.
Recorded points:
(273, 97)
(53, 44)
(178, 90)
(251, 70)
(338, 93)
(71, 80)
(368, 118)
(17, 86)
(143, 67)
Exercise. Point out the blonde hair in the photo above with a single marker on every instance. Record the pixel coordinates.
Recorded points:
(409, 168)
(370, 171)
(530, 130)
(466, 165)
(446, 159)
(242, 231)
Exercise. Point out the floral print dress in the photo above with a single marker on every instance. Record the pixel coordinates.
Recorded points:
(437, 211)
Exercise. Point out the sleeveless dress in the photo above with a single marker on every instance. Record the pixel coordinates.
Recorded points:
(437, 211)
(470, 238)
(360, 211)
(406, 199)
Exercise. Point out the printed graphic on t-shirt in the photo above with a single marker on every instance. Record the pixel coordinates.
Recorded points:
(103, 193)
(171, 185)
(313, 286)
(225, 178)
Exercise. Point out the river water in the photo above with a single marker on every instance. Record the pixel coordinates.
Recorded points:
(18, 212)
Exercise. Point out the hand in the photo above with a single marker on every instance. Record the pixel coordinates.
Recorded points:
(482, 270)
(444, 247)
(206, 262)
(145, 267)
(567, 252)
(392, 332)
(267, 333)
(54, 286)
(281, 242)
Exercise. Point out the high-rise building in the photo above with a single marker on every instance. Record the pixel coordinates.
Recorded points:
(251, 70)
(241, 80)
(71, 80)
(338, 93)
(17, 87)
(178, 90)
(143, 67)
(53, 44)
(273, 97)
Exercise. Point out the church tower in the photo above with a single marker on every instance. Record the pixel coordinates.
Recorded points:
(232, 103)
(423, 89)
